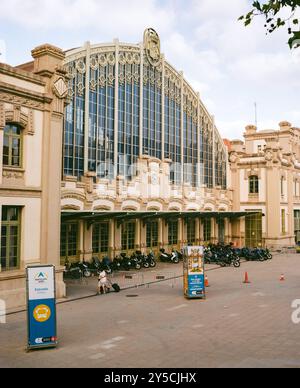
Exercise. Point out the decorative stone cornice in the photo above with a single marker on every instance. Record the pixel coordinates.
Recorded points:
(285, 125)
(48, 49)
(21, 74)
(23, 97)
(73, 194)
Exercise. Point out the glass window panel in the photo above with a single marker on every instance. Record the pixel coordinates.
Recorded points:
(10, 238)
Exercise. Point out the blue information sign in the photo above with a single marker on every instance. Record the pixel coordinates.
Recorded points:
(41, 307)
(194, 276)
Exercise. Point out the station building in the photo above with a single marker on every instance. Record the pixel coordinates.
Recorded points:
(107, 149)
(265, 173)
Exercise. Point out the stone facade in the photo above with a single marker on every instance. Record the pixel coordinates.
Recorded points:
(273, 156)
(29, 100)
(34, 97)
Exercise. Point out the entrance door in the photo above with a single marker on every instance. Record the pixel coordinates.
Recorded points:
(297, 225)
(152, 235)
(69, 242)
(254, 231)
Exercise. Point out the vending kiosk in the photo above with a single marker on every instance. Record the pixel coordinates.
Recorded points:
(194, 273)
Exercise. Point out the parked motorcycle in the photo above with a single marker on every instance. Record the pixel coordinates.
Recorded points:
(129, 263)
(148, 261)
(98, 266)
(166, 258)
(252, 254)
(221, 255)
(72, 271)
(230, 259)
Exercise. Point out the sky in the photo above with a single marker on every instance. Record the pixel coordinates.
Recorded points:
(231, 66)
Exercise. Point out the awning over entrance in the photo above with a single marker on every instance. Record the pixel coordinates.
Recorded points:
(120, 217)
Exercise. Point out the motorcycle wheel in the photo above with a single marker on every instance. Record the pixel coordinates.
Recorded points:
(146, 265)
(236, 264)
(176, 261)
(153, 264)
(87, 274)
(138, 267)
(269, 256)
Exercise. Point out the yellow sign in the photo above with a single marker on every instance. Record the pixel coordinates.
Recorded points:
(42, 313)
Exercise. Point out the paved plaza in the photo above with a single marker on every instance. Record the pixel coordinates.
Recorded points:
(155, 326)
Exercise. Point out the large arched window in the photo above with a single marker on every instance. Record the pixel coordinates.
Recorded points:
(12, 146)
(253, 185)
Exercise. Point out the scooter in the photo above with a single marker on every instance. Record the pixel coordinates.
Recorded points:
(85, 269)
(166, 258)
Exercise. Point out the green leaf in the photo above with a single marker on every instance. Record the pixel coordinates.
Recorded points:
(294, 42)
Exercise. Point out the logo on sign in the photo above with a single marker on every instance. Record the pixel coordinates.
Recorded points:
(42, 313)
(41, 277)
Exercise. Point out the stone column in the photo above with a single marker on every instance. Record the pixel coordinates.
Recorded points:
(81, 239)
(88, 241)
(201, 228)
(143, 236)
(138, 234)
(180, 232)
(118, 238)
(212, 237)
(111, 242)
(228, 234)
(2, 125)
(290, 199)
(48, 63)
(160, 233)
(273, 200)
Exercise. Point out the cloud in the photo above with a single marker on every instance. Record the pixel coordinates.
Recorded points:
(230, 65)
(200, 66)
(103, 16)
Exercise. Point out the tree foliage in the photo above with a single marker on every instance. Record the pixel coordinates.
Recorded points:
(272, 10)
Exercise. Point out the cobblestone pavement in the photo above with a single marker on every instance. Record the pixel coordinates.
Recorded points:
(237, 326)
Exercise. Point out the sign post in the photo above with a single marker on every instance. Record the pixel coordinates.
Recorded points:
(41, 307)
(194, 274)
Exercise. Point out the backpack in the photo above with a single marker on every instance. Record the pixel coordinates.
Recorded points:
(116, 287)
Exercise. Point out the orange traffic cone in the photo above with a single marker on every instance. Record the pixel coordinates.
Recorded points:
(246, 281)
(282, 278)
(206, 282)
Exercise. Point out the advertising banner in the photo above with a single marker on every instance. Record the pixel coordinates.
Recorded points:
(194, 273)
(41, 307)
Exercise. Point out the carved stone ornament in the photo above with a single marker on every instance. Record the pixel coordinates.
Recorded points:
(80, 66)
(11, 174)
(2, 115)
(269, 156)
(152, 46)
(233, 158)
(94, 63)
(60, 88)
